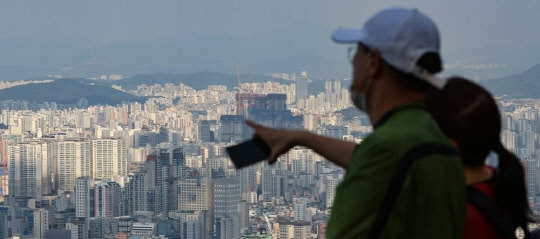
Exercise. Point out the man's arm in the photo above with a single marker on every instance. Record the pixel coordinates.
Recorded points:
(280, 141)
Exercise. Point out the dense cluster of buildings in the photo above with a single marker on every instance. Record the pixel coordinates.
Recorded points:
(160, 170)
(521, 135)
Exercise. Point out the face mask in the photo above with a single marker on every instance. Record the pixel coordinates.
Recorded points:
(359, 98)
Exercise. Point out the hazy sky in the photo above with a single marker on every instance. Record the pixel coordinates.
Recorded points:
(473, 32)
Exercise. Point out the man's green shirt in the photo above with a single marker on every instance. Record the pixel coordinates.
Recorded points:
(431, 203)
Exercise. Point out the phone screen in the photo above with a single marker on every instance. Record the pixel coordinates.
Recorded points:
(248, 153)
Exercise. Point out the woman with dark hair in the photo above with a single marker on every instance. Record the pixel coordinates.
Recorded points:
(469, 116)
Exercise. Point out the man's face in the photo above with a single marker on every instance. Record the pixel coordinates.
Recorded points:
(360, 63)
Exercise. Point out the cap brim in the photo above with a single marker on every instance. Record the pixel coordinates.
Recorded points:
(344, 35)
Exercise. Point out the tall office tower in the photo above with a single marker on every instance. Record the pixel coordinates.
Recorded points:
(301, 212)
(196, 194)
(41, 222)
(330, 182)
(280, 186)
(227, 227)
(328, 86)
(273, 184)
(82, 198)
(336, 86)
(243, 208)
(529, 167)
(107, 200)
(170, 165)
(509, 139)
(137, 192)
(530, 141)
(109, 158)
(175, 159)
(266, 182)
(232, 128)
(51, 167)
(227, 196)
(302, 87)
(27, 164)
(205, 132)
(74, 160)
(248, 181)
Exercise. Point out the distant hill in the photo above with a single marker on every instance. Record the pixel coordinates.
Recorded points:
(198, 80)
(522, 85)
(68, 91)
(352, 113)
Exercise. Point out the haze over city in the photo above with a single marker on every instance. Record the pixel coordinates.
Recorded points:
(116, 116)
(89, 38)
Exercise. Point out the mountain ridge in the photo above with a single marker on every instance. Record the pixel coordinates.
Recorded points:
(68, 91)
(522, 85)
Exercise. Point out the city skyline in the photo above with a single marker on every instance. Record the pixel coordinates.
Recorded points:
(166, 167)
(116, 116)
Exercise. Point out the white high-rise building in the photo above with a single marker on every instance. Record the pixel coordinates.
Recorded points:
(74, 159)
(301, 212)
(82, 198)
(227, 195)
(41, 222)
(330, 182)
(196, 194)
(27, 165)
(109, 158)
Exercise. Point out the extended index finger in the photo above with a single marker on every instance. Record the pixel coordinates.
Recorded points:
(253, 124)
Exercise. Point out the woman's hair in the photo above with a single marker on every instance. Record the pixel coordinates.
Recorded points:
(468, 114)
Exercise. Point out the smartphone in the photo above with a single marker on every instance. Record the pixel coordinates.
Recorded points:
(249, 152)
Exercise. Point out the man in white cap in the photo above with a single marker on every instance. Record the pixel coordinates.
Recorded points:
(404, 180)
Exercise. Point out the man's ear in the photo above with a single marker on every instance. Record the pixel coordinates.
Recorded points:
(376, 63)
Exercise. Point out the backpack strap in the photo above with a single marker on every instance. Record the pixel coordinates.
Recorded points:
(483, 203)
(417, 152)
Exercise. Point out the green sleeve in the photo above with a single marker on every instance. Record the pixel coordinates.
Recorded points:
(359, 195)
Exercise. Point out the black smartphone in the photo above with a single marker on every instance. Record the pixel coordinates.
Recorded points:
(249, 152)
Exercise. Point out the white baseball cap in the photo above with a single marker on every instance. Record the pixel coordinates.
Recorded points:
(402, 36)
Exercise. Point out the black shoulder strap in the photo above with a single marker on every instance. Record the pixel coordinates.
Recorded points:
(483, 203)
(417, 152)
